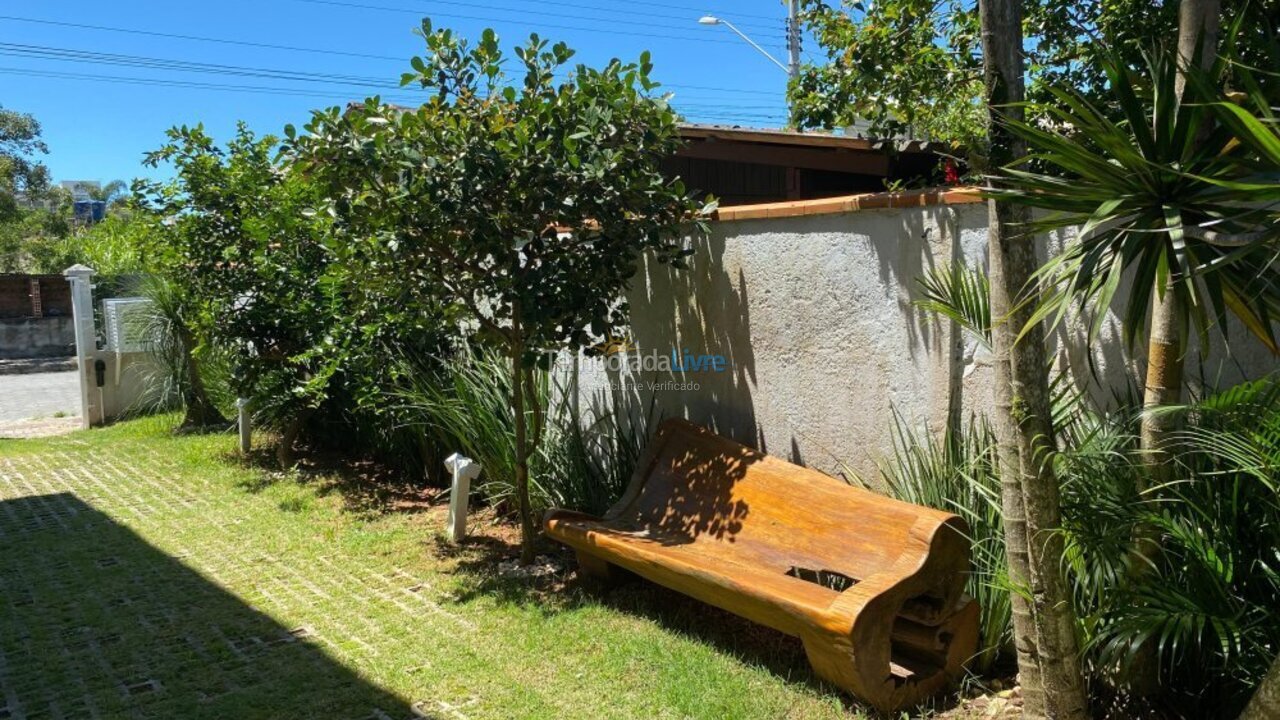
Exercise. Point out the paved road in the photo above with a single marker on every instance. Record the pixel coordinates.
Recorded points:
(38, 395)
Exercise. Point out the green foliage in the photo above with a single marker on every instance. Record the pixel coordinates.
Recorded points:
(960, 294)
(583, 462)
(901, 65)
(233, 230)
(519, 210)
(524, 206)
(167, 380)
(23, 180)
(909, 64)
(119, 245)
(35, 218)
(1207, 602)
(1180, 189)
(34, 239)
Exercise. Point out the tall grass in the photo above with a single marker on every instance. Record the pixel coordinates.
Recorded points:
(582, 461)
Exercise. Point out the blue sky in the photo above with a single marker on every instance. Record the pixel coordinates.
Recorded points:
(102, 110)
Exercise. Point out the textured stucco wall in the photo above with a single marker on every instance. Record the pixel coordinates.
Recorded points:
(815, 318)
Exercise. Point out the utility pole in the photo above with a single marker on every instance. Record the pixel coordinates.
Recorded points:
(793, 38)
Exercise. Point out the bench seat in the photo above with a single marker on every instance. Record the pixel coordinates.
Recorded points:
(872, 586)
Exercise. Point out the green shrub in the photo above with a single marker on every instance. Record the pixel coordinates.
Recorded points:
(583, 461)
(1207, 601)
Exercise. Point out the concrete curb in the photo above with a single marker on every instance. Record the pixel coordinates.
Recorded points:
(26, 366)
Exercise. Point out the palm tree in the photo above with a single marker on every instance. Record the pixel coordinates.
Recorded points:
(1043, 617)
(112, 193)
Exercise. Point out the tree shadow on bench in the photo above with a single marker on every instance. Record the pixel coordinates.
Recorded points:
(97, 622)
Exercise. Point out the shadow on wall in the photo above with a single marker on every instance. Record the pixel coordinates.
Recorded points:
(98, 623)
(1107, 372)
(814, 320)
(702, 311)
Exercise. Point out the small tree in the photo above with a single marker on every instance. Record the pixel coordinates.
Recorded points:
(524, 206)
(252, 264)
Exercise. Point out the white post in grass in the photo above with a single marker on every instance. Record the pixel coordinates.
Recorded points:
(464, 470)
(81, 279)
(242, 411)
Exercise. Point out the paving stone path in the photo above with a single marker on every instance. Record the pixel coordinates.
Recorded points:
(129, 591)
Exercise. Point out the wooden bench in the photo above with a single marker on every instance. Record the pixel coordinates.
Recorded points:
(871, 585)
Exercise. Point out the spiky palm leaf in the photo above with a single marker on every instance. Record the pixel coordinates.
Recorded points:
(1182, 189)
(961, 294)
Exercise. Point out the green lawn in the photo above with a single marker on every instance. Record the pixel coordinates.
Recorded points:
(149, 576)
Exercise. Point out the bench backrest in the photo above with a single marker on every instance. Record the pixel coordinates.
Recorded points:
(694, 486)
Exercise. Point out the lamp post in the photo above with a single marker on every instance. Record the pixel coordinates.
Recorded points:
(793, 38)
(713, 20)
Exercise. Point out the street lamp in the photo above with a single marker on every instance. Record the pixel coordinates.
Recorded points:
(713, 20)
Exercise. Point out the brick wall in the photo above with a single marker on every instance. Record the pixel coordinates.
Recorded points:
(17, 296)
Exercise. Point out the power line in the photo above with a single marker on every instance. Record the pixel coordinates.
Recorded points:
(295, 48)
(71, 54)
(419, 13)
(734, 16)
(164, 82)
(696, 112)
(684, 19)
(198, 38)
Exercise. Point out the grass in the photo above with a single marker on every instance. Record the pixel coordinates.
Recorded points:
(144, 575)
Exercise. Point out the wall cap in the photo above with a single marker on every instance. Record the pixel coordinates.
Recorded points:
(851, 203)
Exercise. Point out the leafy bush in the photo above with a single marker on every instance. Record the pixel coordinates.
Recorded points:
(1207, 603)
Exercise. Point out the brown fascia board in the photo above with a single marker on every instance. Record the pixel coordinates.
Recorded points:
(695, 131)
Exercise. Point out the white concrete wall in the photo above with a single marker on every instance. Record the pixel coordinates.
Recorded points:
(814, 317)
(37, 337)
(127, 378)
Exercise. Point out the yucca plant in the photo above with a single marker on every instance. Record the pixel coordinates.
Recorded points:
(182, 375)
(1176, 200)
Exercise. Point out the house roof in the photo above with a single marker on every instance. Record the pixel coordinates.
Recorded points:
(811, 139)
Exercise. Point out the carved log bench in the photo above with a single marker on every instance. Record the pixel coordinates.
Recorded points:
(871, 585)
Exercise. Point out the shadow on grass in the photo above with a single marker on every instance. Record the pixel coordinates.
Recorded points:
(367, 488)
(96, 622)
(552, 585)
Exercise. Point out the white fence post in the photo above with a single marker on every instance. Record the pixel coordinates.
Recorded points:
(464, 470)
(81, 278)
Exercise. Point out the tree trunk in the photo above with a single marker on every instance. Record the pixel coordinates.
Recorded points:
(1198, 22)
(284, 451)
(1265, 703)
(1044, 619)
(527, 531)
(1012, 510)
(200, 411)
(1197, 32)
